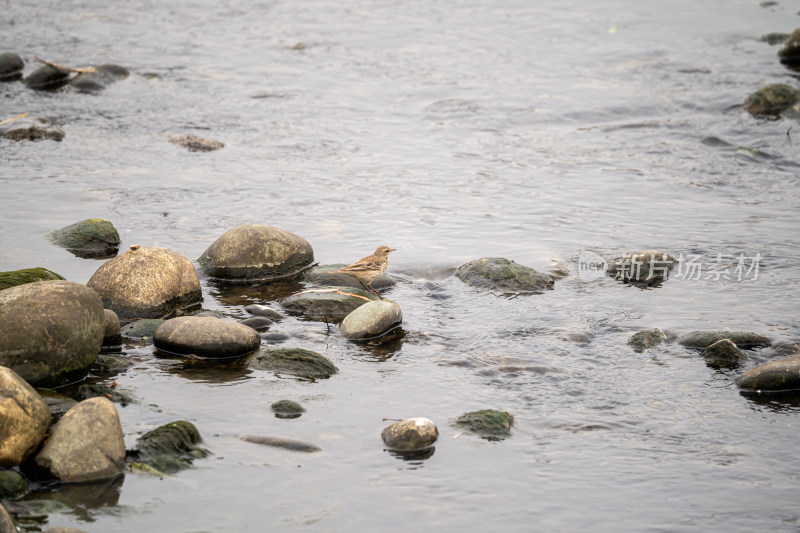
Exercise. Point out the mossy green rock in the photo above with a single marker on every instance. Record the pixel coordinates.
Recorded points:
(11, 66)
(171, 447)
(287, 409)
(206, 337)
(147, 283)
(789, 53)
(724, 354)
(327, 305)
(410, 435)
(320, 276)
(90, 238)
(489, 424)
(50, 329)
(503, 275)
(649, 267)
(771, 100)
(11, 484)
(775, 376)
(649, 338)
(701, 340)
(13, 278)
(255, 252)
(371, 320)
(294, 361)
(47, 78)
(142, 330)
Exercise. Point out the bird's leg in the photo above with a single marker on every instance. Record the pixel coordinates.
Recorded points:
(370, 289)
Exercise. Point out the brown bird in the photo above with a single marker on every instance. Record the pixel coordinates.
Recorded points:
(367, 270)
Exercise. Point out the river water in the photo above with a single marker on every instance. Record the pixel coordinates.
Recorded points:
(450, 131)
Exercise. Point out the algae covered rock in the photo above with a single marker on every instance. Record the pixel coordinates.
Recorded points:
(327, 305)
(255, 252)
(649, 267)
(24, 418)
(649, 338)
(776, 376)
(287, 409)
(789, 53)
(47, 78)
(206, 337)
(772, 100)
(147, 283)
(502, 275)
(11, 66)
(410, 435)
(294, 361)
(86, 444)
(90, 239)
(11, 485)
(489, 424)
(13, 278)
(701, 340)
(371, 320)
(724, 354)
(101, 77)
(50, 329)
(170, 448)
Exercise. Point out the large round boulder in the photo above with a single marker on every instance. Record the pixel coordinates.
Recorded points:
(147, 283)
(502, 275)
(50, 329)
(13, 278)
(775, 376)
(207, 337)
(86, 445)
(24, 418)
(255, 252)
(371, 320)
(92, 238)
(410, 435)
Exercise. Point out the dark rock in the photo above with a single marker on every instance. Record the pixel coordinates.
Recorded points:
(93, 238)
(488, 423)
(47, 78)
(255, 252)
(258, 323)
(649, 338)
(724, 354)
(263, 310)
(286, 444)
(11, 485)
(58, 403)
(170, 448)
(649, 267)
(789, 53)
(34, 133)
(206, 337)
(784, 348)
(371, 320)
(410, 435)
(774, 38)
(142, 330)
(103, 76)
(502, 275)
(112, 334)
(327, 305)
(147, 283)
(775, 376)
(13, 278)
(287, 409)
(275, 336)
(101, 390)
(294, 361)
(320, 276)
(50, 329)
(110, 364)
(11, 66)
(24, 418)
(193, 143)
(86, 444)
(772, 100)
(703, 339)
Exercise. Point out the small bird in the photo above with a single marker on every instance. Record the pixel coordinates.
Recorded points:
(367, 270)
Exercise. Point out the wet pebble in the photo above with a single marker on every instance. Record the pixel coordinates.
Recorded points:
(275, 336)
(24, 418)
(47, 78)
(99, 79)
(206, 337)
(505, 276)
(286, 444)
(371, 320)
(263, 310)
(258, 323)
(287, 409)
(11, 66)
(410, 435)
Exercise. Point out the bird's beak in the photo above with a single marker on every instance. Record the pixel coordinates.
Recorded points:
(392, 249)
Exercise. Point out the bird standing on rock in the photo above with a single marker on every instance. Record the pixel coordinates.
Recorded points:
(368, 269)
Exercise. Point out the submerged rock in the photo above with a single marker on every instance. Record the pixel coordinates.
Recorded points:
(327, 305)
(502, 275)
(410, 435)
(789, 53)
(108, 364)
(112, 333)
(34, 133)
(142, 330)
(784, 348)
(11, 66)
(13, 278)
(90, 239)
(11, 485)
(255, 252)
(47, 78)
(57, 403)
(286, 444)
(264, 311)
(371, 320)
(287, 409)
(258, 323)
(206, 337)
(320, 275)
(772, 100)
(103, 76)
(774, 38)
(24, 418)
(775, 376)
(193, 143)
(101, 390)
(50, 329)
(649, 338)
(724, 354)
(294, 361)
(650, 267)
(170, 448)
(489, 424)
(703, 339)
(147, 283)
(86, 444)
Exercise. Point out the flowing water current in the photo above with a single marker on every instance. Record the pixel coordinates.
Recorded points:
(450, 131)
